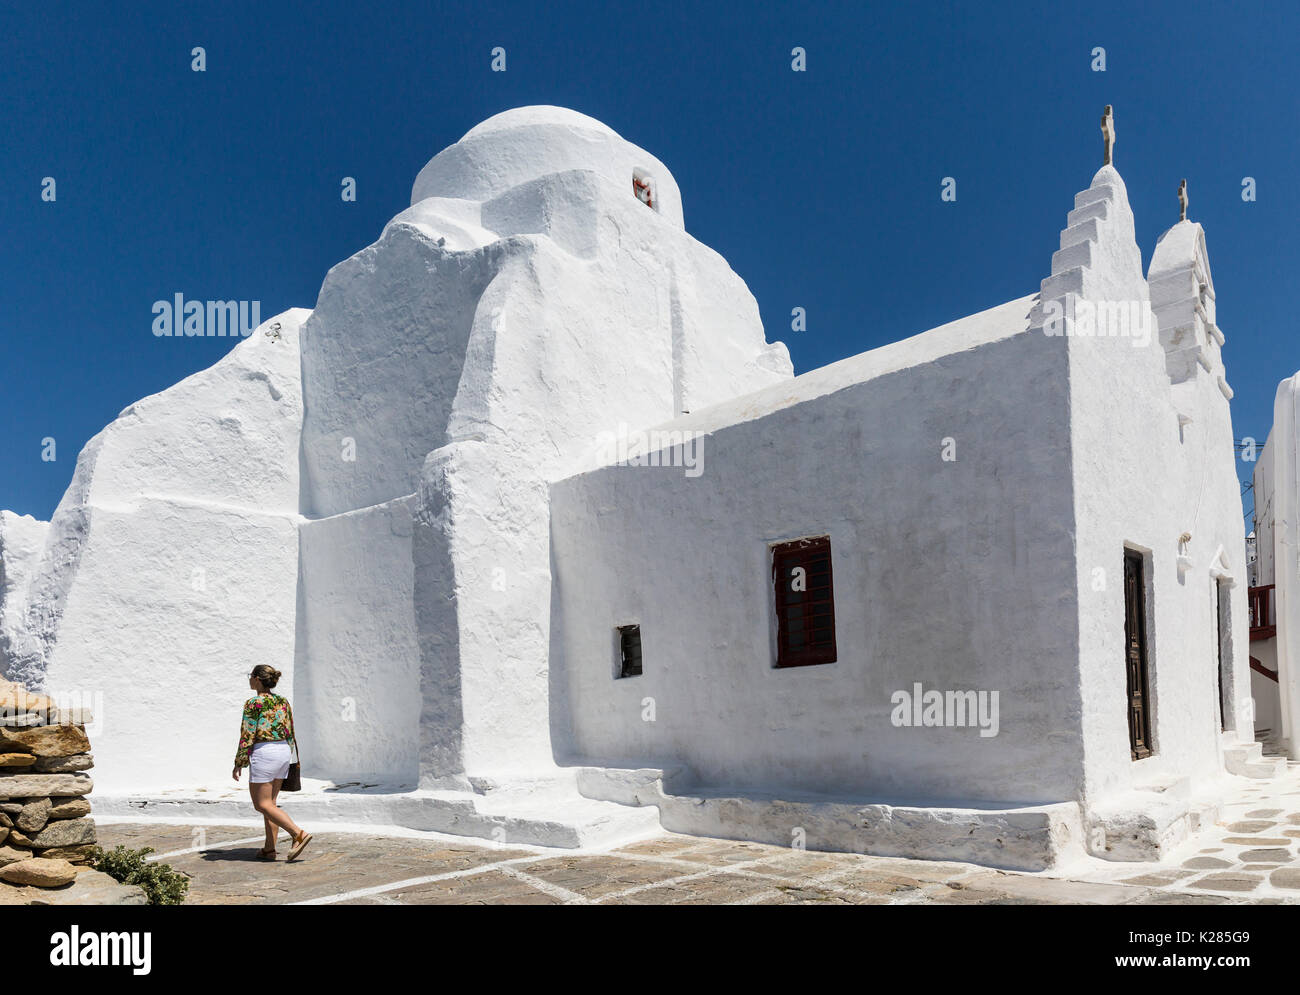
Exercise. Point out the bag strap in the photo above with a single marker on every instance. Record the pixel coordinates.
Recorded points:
(293, 736)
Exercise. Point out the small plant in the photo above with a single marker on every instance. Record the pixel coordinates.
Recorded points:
(161, 884)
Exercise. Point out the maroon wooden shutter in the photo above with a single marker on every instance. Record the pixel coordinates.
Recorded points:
(805, 602)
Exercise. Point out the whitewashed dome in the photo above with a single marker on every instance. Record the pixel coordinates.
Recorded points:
(527, 143)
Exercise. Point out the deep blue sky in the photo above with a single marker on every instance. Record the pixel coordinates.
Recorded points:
(820, 188)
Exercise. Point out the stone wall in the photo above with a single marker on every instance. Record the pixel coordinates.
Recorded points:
(46, 829)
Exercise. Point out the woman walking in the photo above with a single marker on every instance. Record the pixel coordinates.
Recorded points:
(264, 737)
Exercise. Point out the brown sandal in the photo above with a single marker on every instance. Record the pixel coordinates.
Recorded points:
(299, 845)
(265, 854)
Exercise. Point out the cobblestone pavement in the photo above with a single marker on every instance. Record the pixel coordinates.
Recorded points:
(1250, 856)
(360, 869)
(1251, 853)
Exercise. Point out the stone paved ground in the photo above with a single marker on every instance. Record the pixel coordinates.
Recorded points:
(1250, 857)
(1250, 854)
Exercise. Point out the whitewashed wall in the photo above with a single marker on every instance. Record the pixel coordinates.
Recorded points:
(1277, 502)
(170, 567)
(1141, 480)
(1268, 704)
(1262, 481)
(22, 539)
(357, 680)
(959, 575)
(525, 303)
(1016, 589)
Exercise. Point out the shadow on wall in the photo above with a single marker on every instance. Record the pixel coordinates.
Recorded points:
(437, 628)
(564, 749)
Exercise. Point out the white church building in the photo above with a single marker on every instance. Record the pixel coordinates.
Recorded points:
(551, 544)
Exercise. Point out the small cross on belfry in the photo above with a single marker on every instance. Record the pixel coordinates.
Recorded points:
(1108, 133)
(1182, 201)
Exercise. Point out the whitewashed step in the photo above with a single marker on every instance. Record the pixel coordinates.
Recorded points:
(1243, 752)
(548, 813)
(1145, 824)
(1247, 760)
(1269, 767)
(1084, 231)
(1078, 254)
(1097, 209)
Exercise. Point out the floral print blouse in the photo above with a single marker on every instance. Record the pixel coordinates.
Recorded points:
(267, 717)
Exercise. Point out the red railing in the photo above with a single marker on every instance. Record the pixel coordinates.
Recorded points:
(1263, 617)
(1259, 668)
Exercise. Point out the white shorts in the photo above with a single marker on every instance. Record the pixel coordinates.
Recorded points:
(269, 762)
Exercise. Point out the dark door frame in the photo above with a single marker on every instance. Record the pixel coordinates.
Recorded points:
(1222, 614)
(1136, 655)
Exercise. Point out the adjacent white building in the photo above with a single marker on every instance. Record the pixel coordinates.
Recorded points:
(1275, 596)
(528, 503)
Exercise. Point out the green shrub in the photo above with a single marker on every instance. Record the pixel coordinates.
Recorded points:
(161, 884)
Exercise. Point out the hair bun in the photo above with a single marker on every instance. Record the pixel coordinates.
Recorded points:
(267, 674)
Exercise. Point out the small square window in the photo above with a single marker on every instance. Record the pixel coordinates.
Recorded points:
(629, 647)
(643, 186)
(805, 602)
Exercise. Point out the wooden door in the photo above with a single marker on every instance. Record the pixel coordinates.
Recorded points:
(1222, 601)
(1135, 646)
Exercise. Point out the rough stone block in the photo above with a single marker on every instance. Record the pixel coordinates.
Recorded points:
(44, 785)
(73, 809)
(63, 765)
(65, 832)
(45, 741)
(19, 839)
(17, 700)
(34, 816)
(26, 721)
(39, 872)
(90, 888)
(73, 854)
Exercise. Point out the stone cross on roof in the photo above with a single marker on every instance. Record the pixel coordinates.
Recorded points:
(1108, 132)
(1182, 201)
